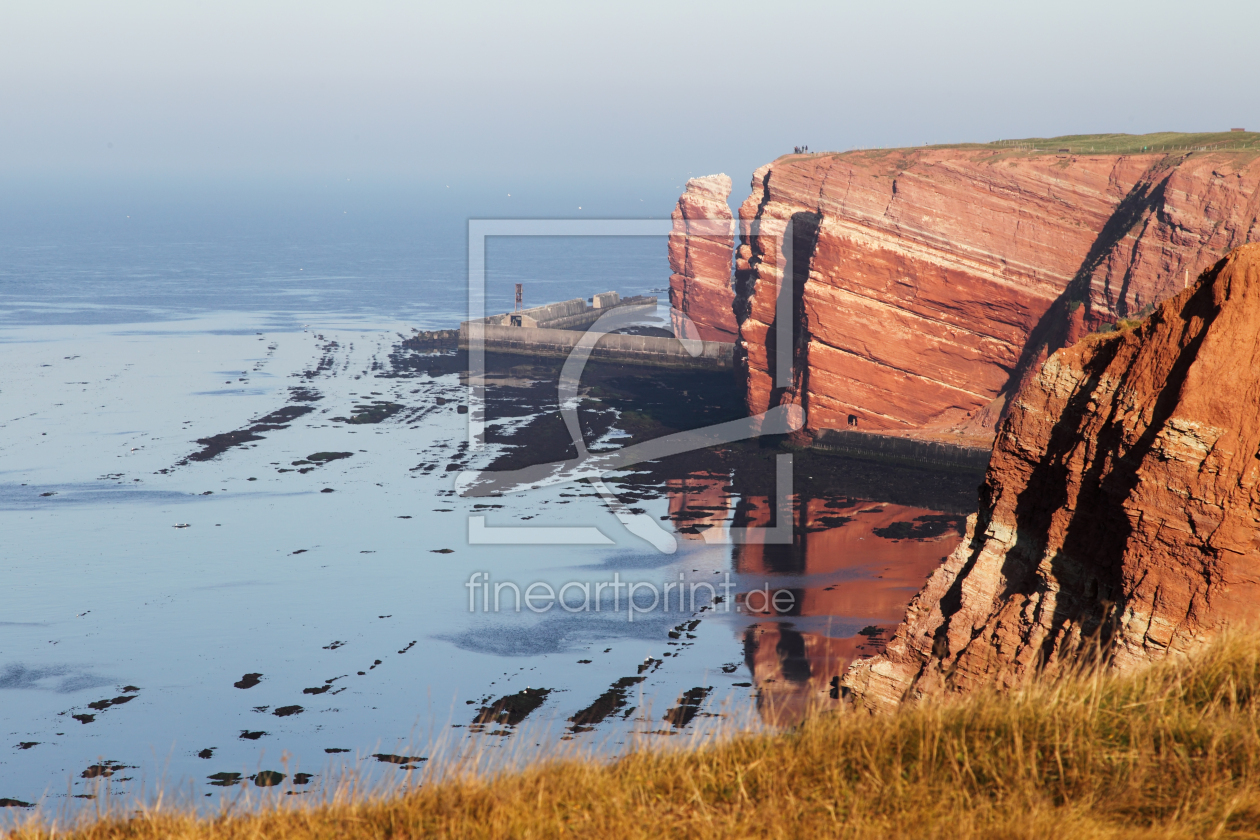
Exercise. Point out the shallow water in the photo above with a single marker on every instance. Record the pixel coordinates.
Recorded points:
(169, 621)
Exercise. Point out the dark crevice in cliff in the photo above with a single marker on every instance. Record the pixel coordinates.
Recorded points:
(751, 237)
(801, 236)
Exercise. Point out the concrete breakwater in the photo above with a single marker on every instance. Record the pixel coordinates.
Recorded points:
(613, 347)
(554, 330)
(574, 314)
(902, 450)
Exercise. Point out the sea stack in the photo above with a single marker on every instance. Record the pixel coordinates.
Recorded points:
(700, 251)
(1120, 513)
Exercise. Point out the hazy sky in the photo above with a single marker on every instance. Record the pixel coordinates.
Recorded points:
(634, 93)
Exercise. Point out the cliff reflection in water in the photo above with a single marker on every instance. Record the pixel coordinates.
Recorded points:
(852, 567)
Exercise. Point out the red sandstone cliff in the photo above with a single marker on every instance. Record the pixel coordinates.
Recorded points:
(700, 250)
(1121, 506)
(930, 282)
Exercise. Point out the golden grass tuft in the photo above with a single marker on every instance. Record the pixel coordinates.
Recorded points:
(1170, 751)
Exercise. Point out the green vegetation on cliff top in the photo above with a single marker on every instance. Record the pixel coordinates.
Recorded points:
(1164, 142)
(1172, 750)
(1115, 144)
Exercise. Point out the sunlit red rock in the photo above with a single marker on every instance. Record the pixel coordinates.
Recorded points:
(1121, 511)
(931, 282)
(700, 250)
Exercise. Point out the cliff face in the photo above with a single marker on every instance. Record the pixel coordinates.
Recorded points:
(929, 283)
(1121, 508)
(700, 251)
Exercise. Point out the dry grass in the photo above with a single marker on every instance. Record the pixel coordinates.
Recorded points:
(1172, 751)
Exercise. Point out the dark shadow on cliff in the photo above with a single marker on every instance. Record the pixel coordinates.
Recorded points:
(744, 279)
(1071, 317)
(801, 237)
(1088, 568)
(1045, 492)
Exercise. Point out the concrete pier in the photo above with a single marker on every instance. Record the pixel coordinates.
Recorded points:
(628, 349)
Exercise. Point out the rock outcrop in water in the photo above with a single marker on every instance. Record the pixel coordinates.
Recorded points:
(700, 251)
(930, 283)
(1120, 512)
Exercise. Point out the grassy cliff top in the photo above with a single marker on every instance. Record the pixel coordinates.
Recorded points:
(1163, 142)
(1116, 144)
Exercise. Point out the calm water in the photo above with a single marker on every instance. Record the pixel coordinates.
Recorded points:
(189, 624)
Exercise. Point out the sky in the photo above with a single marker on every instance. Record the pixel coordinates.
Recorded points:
(584, 99)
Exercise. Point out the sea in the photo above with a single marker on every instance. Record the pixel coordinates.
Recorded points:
(235, 564)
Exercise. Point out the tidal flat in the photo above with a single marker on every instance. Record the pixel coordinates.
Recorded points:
(235, 556)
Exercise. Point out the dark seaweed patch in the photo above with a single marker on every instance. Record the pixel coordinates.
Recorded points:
(611, 701)
(26, 745)
(208, 752)
(251, 736)
(224, 779)
(248, 681)
(103, 770)
(14, 803)
(650, 662)
(922, 527)
(268, 778)
(374, 412)
(689, 703)
(102, 705)
(300, 394)
(407, 762)
(824, 523)
(325, 457)
(510, 709)
(286, 711)
(325, 362)
(218, 444)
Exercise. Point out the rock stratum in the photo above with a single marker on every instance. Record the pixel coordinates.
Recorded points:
(700, 250)
(928, 284)
(1120, 513)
